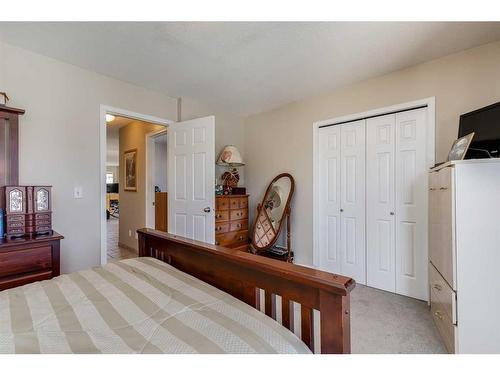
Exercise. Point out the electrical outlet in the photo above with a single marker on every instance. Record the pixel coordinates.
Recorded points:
(130, 233)
(78, 192)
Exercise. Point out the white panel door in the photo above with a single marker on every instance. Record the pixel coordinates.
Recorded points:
(191, 175)
(380, 203)
(411, 203)
(329, 204)
(352, 200)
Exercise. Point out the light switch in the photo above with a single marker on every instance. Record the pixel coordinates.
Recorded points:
(78, 192)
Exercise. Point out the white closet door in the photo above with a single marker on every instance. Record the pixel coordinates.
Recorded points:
(329, 204)
(352, 200)
(411, 203)
(380, 203)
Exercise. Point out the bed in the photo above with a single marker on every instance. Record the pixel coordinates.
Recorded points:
(179, 296)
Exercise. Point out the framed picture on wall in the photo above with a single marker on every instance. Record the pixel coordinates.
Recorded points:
(130, 165)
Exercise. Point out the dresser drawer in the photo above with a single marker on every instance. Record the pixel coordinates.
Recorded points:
(42, 216)
(443, 323)
(15, 218)
(244, 202)
(231, 238)
(15, 224)
(234, 203)
(238, 225)
(238, 214)
(221, 228)
(443, 294)
(24, 261)
(221, 215)
(221, 203)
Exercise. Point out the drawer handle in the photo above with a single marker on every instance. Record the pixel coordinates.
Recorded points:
(241, 238)
(217, 243)
(432, 189)
(238, 225)
(443, 188)
(439, 315)
(438, 287)
(219, 228)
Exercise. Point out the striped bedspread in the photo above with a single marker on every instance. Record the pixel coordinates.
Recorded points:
(135, 306)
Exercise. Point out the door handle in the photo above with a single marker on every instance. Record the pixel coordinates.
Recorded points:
(207, 209)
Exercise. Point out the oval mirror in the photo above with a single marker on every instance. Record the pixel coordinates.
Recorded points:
(271, 212)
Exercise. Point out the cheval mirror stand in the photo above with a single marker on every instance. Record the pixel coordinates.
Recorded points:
(273, 216)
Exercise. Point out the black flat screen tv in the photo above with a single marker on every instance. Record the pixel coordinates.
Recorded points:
(485, 123)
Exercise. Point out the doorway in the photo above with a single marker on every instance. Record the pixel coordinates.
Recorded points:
(156, 180)
(123, 179)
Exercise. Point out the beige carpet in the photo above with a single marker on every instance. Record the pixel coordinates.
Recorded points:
(383, 322)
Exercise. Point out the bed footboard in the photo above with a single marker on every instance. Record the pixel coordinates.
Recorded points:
(243, 275)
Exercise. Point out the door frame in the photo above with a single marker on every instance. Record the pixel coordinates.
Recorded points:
(103, 110)
(430, 102)
(150, 166)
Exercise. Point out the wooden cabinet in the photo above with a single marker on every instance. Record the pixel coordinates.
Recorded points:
(25, 260)
(161, 211)
(231, 221)
(464, 238)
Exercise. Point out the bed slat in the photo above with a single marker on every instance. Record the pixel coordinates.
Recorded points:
(271, 305)
(307, 326)
(287, 313)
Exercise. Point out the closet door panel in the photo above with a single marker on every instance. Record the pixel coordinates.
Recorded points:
(380, 204)
(352, 192)
(329, 171)
(411, 203)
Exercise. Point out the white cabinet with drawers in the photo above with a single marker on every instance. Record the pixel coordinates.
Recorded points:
(464, 254)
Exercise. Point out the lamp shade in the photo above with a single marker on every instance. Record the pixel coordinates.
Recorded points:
(230, 156)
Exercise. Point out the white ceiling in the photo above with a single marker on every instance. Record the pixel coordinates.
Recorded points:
(246, 67)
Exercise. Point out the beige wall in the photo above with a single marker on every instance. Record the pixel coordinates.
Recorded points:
(281, 140)
(59, 138)
(133, 203)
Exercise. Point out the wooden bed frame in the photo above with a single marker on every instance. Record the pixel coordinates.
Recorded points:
(243, 275)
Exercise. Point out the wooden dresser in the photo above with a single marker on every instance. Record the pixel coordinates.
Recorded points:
(28, 259)
(231, 221)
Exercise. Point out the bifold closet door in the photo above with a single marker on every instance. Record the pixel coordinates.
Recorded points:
(380, 202)
(342, 199)
(411, 203)
(329, 202)
(352, 200)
